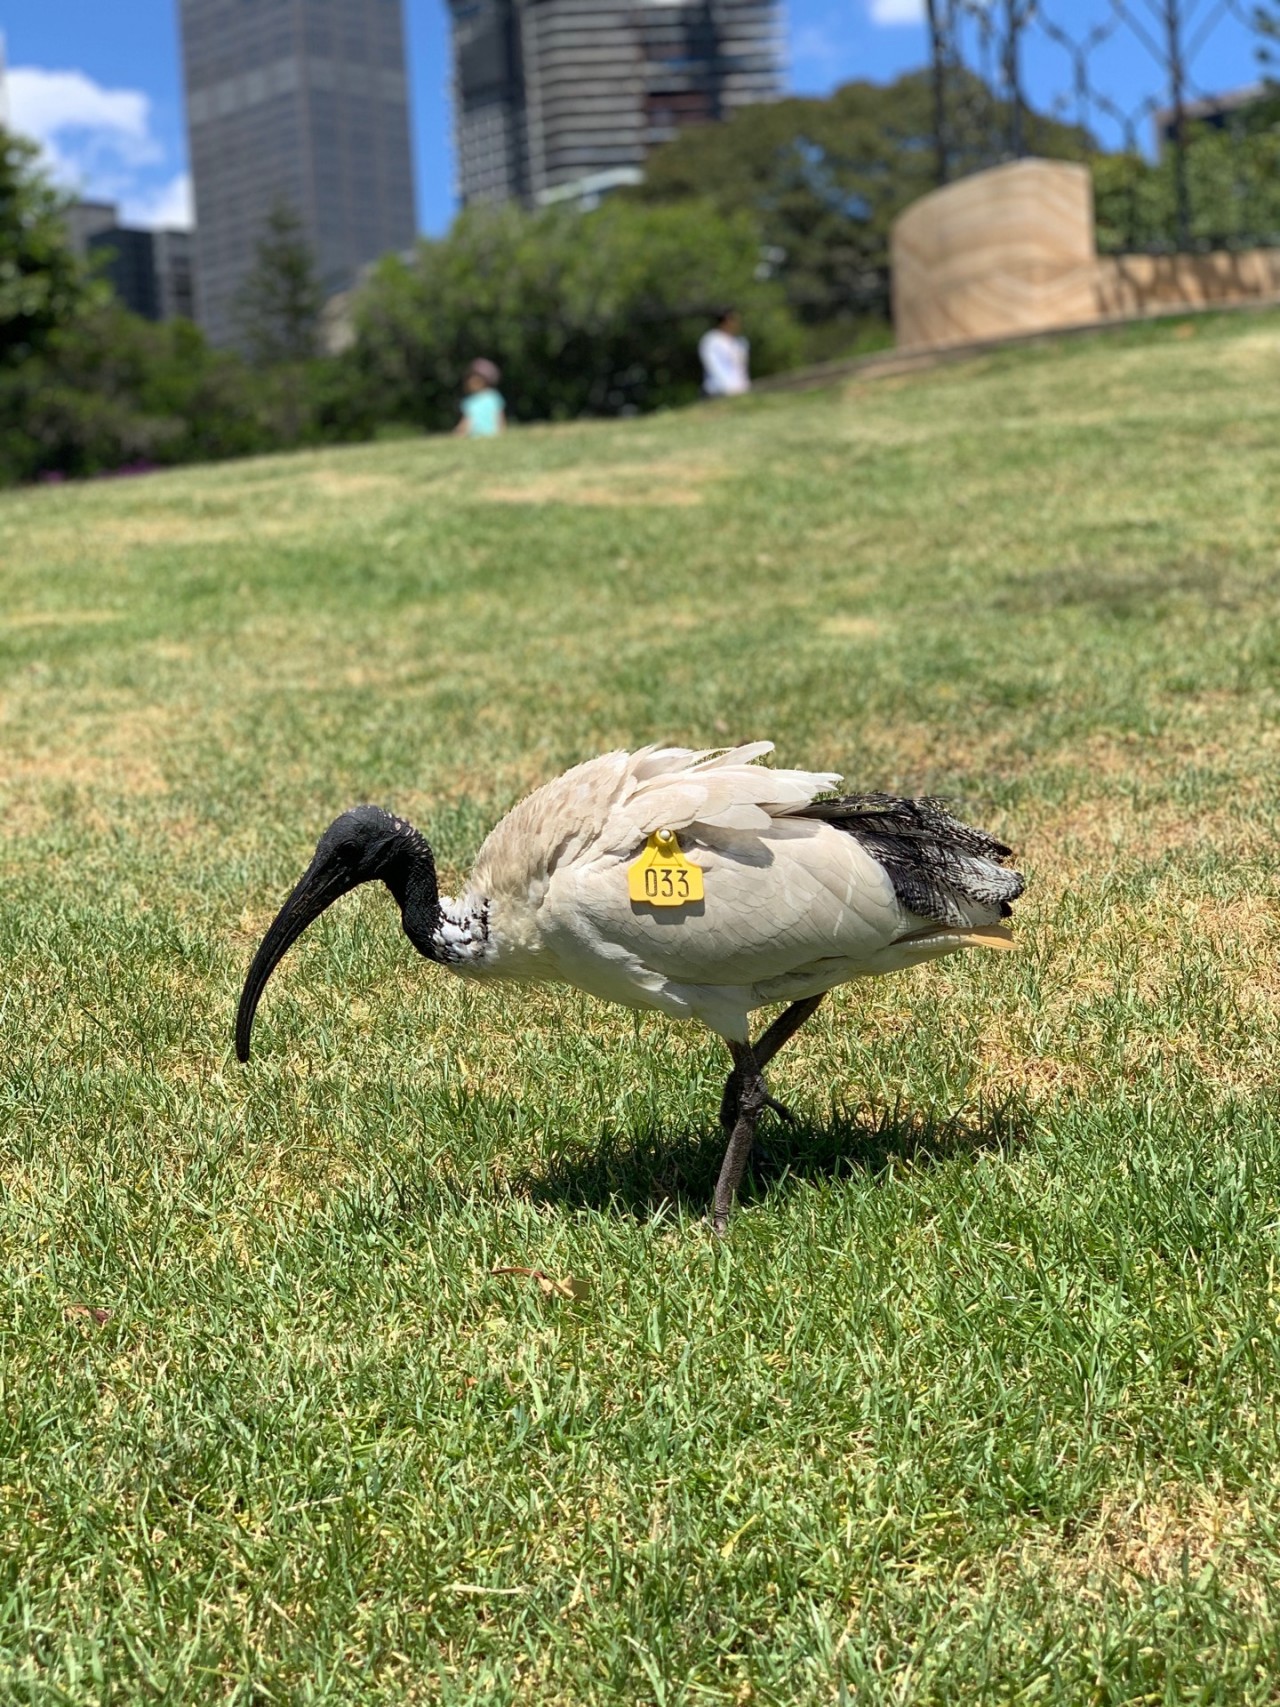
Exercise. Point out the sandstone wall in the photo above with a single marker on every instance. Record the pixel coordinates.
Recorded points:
(1012, 251)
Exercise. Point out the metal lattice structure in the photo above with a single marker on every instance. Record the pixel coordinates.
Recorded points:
(1173, 122)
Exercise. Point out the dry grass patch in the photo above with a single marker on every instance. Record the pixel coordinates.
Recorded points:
(925, 758)
(1140, 1542)
(133, 774)
(1101, 836)
(351, 483)
(59, 618)
(1245, 929)
(112, 537)
(1139, 955)
(670, 484)
(851, 628)
(120, 756)
(1248, 357)
(1005, 1064)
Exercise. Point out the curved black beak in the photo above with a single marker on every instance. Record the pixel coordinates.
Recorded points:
(324, 881)
(364, 845)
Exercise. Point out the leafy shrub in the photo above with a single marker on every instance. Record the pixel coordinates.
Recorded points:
(1233, 194)
(823, 180)
(112, 390)
(42, 284)
(597, 313)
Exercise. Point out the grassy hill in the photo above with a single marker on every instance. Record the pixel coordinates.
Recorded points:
(978, 1399)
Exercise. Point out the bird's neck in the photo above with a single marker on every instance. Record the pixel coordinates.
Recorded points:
(462, 936)
(447, 931)
(412, 881)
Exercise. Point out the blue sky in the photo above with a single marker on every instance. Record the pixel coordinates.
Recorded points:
(99, 83)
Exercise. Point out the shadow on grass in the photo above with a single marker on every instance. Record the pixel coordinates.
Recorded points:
(639, 1174)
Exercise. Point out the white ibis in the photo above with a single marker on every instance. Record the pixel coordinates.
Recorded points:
(701, 884)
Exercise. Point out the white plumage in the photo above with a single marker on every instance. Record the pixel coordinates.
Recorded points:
(794, 905)
(801, 894)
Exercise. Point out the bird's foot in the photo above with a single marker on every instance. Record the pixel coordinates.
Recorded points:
(729, 1108)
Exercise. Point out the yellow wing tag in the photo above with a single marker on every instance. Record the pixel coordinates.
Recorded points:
(662, 876)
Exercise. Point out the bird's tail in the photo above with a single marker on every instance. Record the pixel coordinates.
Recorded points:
(940, 868)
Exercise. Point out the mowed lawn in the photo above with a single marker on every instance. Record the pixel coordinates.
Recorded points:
(978, 1400)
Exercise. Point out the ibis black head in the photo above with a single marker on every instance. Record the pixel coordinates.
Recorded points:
(363, 845)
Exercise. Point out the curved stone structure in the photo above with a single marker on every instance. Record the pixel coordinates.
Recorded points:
(1010, 250)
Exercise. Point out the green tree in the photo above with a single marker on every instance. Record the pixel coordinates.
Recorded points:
(278, 306)
(1233, 188)
(43, 286)
(824, 180)
(1266, 21)
(85, 386)
(586, 313)
(111, 390)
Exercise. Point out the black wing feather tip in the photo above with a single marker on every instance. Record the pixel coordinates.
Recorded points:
(935, 862)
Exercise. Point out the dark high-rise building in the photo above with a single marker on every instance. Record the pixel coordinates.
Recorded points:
(488, 101)
(174, 257)
(128, 259)
(150, 272)
(564, 98)
(301, 103)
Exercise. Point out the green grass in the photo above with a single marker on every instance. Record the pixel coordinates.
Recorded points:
(977, 1402)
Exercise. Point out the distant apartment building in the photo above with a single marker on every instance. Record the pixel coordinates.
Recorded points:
(1252, 108)
(300, 103)
(174, 266)
(85, 219)
(561, 99)
(151, 272)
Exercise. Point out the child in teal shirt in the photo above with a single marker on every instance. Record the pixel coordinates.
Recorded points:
(484, 409)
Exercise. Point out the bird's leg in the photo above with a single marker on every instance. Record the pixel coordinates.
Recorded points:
(729, 1101)
(784, 1029)
(752, 1097)
(775, 1038)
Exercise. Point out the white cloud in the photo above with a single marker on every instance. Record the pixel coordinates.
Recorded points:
(45, 104)
(170, 206)
(81, 124)
(889, 12)
(99, 142)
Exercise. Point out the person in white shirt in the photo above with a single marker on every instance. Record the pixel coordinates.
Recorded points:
(725, 354)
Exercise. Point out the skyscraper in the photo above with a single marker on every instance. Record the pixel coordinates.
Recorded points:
(150, 271)
(557, 98)
(302, 103)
